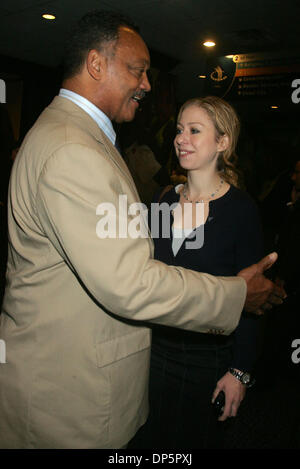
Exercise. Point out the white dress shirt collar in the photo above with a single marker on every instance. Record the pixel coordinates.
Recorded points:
(94, 112)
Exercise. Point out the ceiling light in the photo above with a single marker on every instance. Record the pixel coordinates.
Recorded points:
(229, 56)
(209, 44)
(274, 107)
(201, 76)
(47, 16)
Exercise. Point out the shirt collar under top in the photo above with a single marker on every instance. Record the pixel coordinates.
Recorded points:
(94, 112)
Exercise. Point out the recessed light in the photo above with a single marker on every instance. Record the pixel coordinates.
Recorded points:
(47, 16)
(209, 44)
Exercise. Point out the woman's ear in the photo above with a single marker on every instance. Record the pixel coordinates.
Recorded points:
(223, 143)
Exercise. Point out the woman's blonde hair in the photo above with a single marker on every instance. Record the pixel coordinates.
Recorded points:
(226, 122)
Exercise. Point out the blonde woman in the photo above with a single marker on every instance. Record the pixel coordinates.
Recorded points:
(188, 369)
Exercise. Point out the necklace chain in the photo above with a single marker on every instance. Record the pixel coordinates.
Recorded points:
(184, 193)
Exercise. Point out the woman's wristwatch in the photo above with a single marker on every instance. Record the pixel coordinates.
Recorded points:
(243, 377)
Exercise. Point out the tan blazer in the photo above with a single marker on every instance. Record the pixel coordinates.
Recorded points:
(77, 351)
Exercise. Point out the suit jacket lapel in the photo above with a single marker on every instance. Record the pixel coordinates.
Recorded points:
(120, 163)
(117, 159)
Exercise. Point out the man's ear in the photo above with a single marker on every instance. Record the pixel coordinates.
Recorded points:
(223, 143)
(95, 63)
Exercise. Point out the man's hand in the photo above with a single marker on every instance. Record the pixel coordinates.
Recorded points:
(261, 292)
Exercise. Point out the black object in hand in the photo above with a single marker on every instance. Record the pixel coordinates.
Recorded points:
(219, 403)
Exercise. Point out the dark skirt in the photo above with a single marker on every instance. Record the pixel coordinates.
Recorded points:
(185, 367)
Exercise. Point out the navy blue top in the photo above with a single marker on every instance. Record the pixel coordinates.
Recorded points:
(232, 241)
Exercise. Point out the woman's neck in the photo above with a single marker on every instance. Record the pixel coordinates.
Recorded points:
(202, 184)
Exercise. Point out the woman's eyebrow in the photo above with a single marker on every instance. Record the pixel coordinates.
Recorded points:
(191, 123)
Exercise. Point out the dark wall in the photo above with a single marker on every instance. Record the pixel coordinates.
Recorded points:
(40, 85)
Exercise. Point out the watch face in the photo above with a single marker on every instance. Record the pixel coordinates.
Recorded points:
(246, 378)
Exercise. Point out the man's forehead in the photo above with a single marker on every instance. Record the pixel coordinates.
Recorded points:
(134, 43)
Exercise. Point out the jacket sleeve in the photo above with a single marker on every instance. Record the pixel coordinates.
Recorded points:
(118, 271)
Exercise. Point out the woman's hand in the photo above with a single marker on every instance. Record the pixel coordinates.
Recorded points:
(234, 394)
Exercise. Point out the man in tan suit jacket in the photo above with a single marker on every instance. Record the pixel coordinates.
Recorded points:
(75, 372)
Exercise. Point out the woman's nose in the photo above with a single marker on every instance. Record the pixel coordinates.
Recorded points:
(180, 138)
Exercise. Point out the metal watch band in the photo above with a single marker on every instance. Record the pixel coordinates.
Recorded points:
(244, 378)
